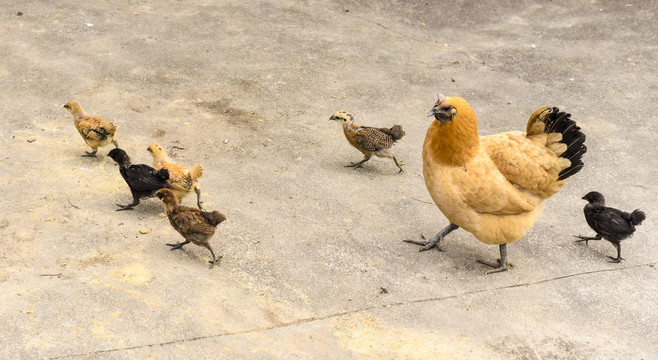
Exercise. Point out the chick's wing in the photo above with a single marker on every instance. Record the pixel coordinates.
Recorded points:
(609, 222)
(94, 128)
(142, 178)
(374, 139)
(189, 220)
(179, 178)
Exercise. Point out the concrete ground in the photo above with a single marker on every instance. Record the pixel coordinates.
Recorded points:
(313, 265)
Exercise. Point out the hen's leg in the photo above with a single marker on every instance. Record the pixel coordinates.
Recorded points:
(435, 240)
(502, 262)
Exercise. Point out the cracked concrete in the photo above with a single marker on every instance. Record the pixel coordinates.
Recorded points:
(246, 90)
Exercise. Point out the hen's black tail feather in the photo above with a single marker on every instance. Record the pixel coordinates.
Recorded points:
(637, 217)
(557, 121)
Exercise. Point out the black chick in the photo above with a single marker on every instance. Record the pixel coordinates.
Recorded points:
(610, 224)
(143, 180)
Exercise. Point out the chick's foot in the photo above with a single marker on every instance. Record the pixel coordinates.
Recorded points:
(178, 245)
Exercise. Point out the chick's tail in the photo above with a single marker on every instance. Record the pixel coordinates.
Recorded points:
(196, 172)
(564, 137)
(163, 174)
(214, 218)
(637, 217)
(396, 132)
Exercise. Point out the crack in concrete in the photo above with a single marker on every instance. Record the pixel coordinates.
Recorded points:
(350, 312)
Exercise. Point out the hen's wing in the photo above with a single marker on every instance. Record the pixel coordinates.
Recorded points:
(486, 190)
(525, 162)
(374, 139)
(142, 178)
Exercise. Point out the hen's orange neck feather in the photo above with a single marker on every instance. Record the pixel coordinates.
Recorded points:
(454, 142)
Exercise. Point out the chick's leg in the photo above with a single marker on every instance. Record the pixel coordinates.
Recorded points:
(359, 164)
(129, 206)
(618, 258)
(90, 154)
(116, 144)
(398, 164)
(198, 198)
(502, 262)
(214, 259)
(586, 239)
(435, 240)
(178, 245)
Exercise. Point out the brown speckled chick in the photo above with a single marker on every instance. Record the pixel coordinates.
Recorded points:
(96, 132)
(195, 225)
(369, 140)
(181, 179)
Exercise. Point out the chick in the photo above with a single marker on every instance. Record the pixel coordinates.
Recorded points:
(195, 225)
(143, 180)
(609, 223)
(493, 186)
(96, 132)
(181, 180)
(369, 140)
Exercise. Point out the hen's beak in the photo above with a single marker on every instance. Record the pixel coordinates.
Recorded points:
(435, 110)
(438, 113)
(442, 114)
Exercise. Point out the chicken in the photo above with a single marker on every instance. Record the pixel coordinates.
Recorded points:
(195, 225)
(369, 140)
(143, 180)
(96, 132)
(493, 186)
(609, 223)
(181, 180)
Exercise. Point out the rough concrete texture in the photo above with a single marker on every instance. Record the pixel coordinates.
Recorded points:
(246, 89)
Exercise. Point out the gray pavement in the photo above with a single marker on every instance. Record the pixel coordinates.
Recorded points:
(246, 89)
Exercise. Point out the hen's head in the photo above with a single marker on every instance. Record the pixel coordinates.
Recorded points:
(453, 138)
(594, 197)
(448, 108)
(342, 117)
